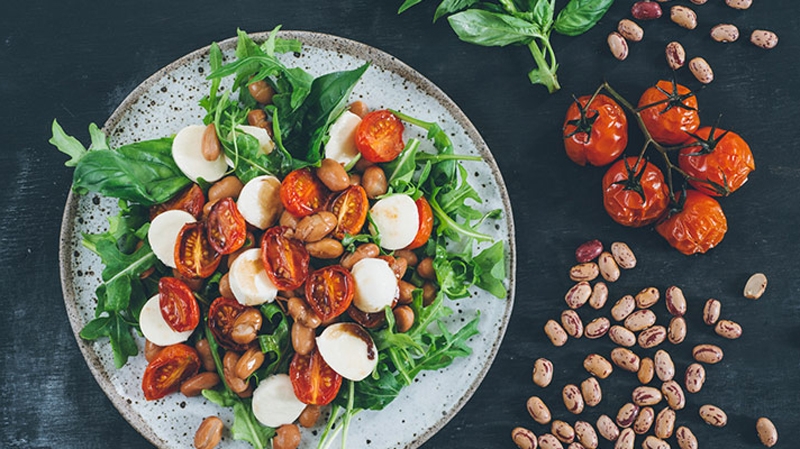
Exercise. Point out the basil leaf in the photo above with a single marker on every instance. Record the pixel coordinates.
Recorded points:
(581, 15)
(452, 6)
(407, 4)
(542, 14)
(492, 29)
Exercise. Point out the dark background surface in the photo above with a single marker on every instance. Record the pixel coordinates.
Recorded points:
(76, 61)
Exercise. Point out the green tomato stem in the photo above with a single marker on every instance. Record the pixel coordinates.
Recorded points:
(546, 71)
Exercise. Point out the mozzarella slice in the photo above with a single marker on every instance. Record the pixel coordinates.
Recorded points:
(341, 146)
(249, 281)
(376, 285)
(264, 141)
(163, 233)
(349, 350)
(396, 219)
(260, 201)
(155, 328)
(274, 401)
(187, 152)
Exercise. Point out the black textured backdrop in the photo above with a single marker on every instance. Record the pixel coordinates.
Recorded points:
(77, 60)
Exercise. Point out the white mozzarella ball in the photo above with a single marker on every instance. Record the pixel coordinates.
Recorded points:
(341, 146)
(155, 328)
(274, 401)
(349, 350)
(260, 201)
(163, 234)
(249, 281)
(376, 285)
(396, 219)
(187, 151)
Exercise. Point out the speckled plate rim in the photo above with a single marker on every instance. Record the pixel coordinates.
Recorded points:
(326, 42)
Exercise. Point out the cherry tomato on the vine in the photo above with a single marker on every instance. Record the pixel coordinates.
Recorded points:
(313, 380)
(595, 133)
(178, 305)
(330, 291)
(425, 223)
(697, 226)
(285, 258)
(719, 164)
(379, 136)
(350, 207)
(634, 194)
(190, 199)
(194, 255)
(302, 193)
(168, 370)
(227, 230)
(669, 112)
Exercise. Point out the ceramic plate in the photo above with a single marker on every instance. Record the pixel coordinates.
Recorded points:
(168, 101)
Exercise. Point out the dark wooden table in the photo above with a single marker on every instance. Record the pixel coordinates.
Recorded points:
(77, 60)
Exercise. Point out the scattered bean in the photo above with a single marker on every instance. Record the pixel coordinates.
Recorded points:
(725, 32)
(571, 322)
(597, 365)
(623, 307)
(677, 330)
(685, 438)
(424, 267)
(676, 55)
(617, 45)
(563, 431)
(647, 297)
(288, 220)
(302, 313)
(711, 311)
(683, 16)
(646, 370)
(309, 416)
(607, 428)
(728, 329)
(625, 359)
(587, 271)
(573, 399)
(555, 333)
(608, 267)
(673, 393)
(303, 338)
(359, 108)
(410, 257)
(701, 70)
(630, 30)
(713, 415)
(286, 437)
(695, 377)
(524, 438)
(706, 353)
(644, 395)
(195, 385)
(585, 433)
(538, 410)
(577, 296)
(576, 445)
(588, 251)
(209, 433)
(646, 10)
(652, 337)
(665, 423)
(699, 2)
(597, 328)
(640, 320)
(652, 442)
(542, 372)
(627, 414)
(739, 4)
(599, 296)
(675, 301)
(767, 432)
(622, 336)
(549, 441)
(236, 384)
(755, 286)
(665, 367)
(644, 421)
(626, 439)
(315, 226)
(209, 144)
(591, 391)
(623, 255)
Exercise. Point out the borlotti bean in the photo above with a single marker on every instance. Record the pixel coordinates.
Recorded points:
(587, 271)
(576, 445)
(623, 255)
(675, 301)
(711, 311)
(591, 391)
(701, 70)
(640, 320)
(665, 423)
(646, 396)
(524, 438)
(725, 32)
(599, 296)
(685, 438)
(622, 336)
(577, 296)
(609, 269)
(623, 308)
(626, 439)
(695, 377)
(597, 328)
(728, 329)
(647, 297)
(618, 45)
(652, 442)
(646, 371)
(755, 286)
(676, 332)
(625, 359)
(652, 337)
(644, 421)
(563, 431)
(588, 251)
(607, 428)
(572, 324)
(665, 367)
(542, 372)
(556, 333)
(683, 16)
(630, 30)
(673, 393)
(549, 441)
(538, 410)
(739, 4)
(585, 434)
(646, 10)
(706, 353)
(598, 366)
(767, 432)
(627, 415)
(699, 2)
(573, 399)
(713, 415)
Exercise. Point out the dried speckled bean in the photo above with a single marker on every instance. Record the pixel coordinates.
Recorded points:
(725, 32)
(609, 269)
(577, 295)
(764, 39)
(646, 370)
(695, 377)
(673, 393)
(538, 410)
(646, 10)
(587, 271)
(644, 396)
(599, 296)
(627, 414)
(739, 4)
(597, 365)
(597, 328)
(584, 432)
(640, 320)
(630, 30)
(713, 415)
(676, 55)
(524, 438)
(706, 353)
(563, 431)
(542, 372)
(607, 428)
(728, 329)
(652, 337)
(617, 45)
(591, 391)
(701, 70)
(685, 438)
(556, 333)
(623, 308)
(626, 439)
(625, 359)
(622, 336)
(711, 311)
(573, 399)
(676, 332)
(549, 441)
(576, 445)
(767, 432)
(755, 286)
(675, 301)
(572, 324)
(647, 298)
(623, 255)
(683, 16)
(644, 421)
(588, 251)
(665, 367)
(652, 442)
(665, 423)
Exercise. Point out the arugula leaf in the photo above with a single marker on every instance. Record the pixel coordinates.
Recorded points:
(67, 145)
(247, 428)
(491, 29)
(401, 170)
(490, 270)
(454, 201)
(454, 273)
(249, 161)
(120, 270)
(118, 331)
(581, 15)
(275, 340)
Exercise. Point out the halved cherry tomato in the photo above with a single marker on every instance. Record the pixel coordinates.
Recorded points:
(221, 315)
(350, 208)
(597, 133)
(329, 291)
(634, 194)
(168, 370)
(425, 223)
(190, 199)
(194, 255)
(178, 305)
(313, 380)
(227, 230)
(285, 258)
(379, 136)
(669, 112)
(697, 226)
(302, 193)
(719, 164)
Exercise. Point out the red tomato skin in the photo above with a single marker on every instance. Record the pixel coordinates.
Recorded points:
(379, 136)
(302, 193)
(194, 256)
(700, 226)
(285, 258)
(313, 380)
(626, 206)
(667, 123)
(165, 373)
(727, 165)
(221, 315)
(178, 304)
(227, 230)
(425, 223)
(609, 132)
(330, 291)
(190, 200)
(350, 207)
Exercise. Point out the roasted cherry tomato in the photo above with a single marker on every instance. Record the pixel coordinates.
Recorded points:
(379, 136)
(634, 194)
(313, 380)
(190, 199)
(168, 370)
(285, 258)
(669, 112)
(425, 223)
(194, 255)
(718, 164)
(227, 230)
(302, 193)
(330, 291)
(597, 133)
(221, 315)
(697, 226)
(350, 208)
(178, 305)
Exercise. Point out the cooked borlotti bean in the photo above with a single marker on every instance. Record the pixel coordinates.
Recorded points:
(585, 433)
(706, 353)
(711, 311)
(524, 438)
(685, 438)
(665, 367)
(676, 332)
(571, 322)
(577, 296)
(767, 432)
(627, 414)
(625, 359)
(755, 286)
(556, 333)
(647, 297)
(713, 415)
(728, 329)
(640, 320)
(644, 395)
(695, 377)
(587, 271)
(646, 370)
(592, 394)
(644, 421)
(623, 307)
(652, 442)
(623, 255)
(563, 431)
(665, 423)
(597, 365)
(542, 372)
(607, 428)
(209, 433)
(549, 441)
(608, 267)
(675, 301)
(622, 336)
(673, 393)
(597, 328)
(599, 296)
(626, 439)
(538, 410)
(652, 337)
(573, 399)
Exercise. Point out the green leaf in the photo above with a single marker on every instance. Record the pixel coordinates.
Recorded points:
(98, 327)
(249, 160)
(247, 428)
(451, 7)
(99, 140)
(454, 201)
(543, 12)
(67, 145)
(579, 16)
(275, 340)
(224, 398)
(492, 29)
(455, 274)
(118, 331)
(407, 4)
(402, 169)
(490, 270)
(120, 270)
